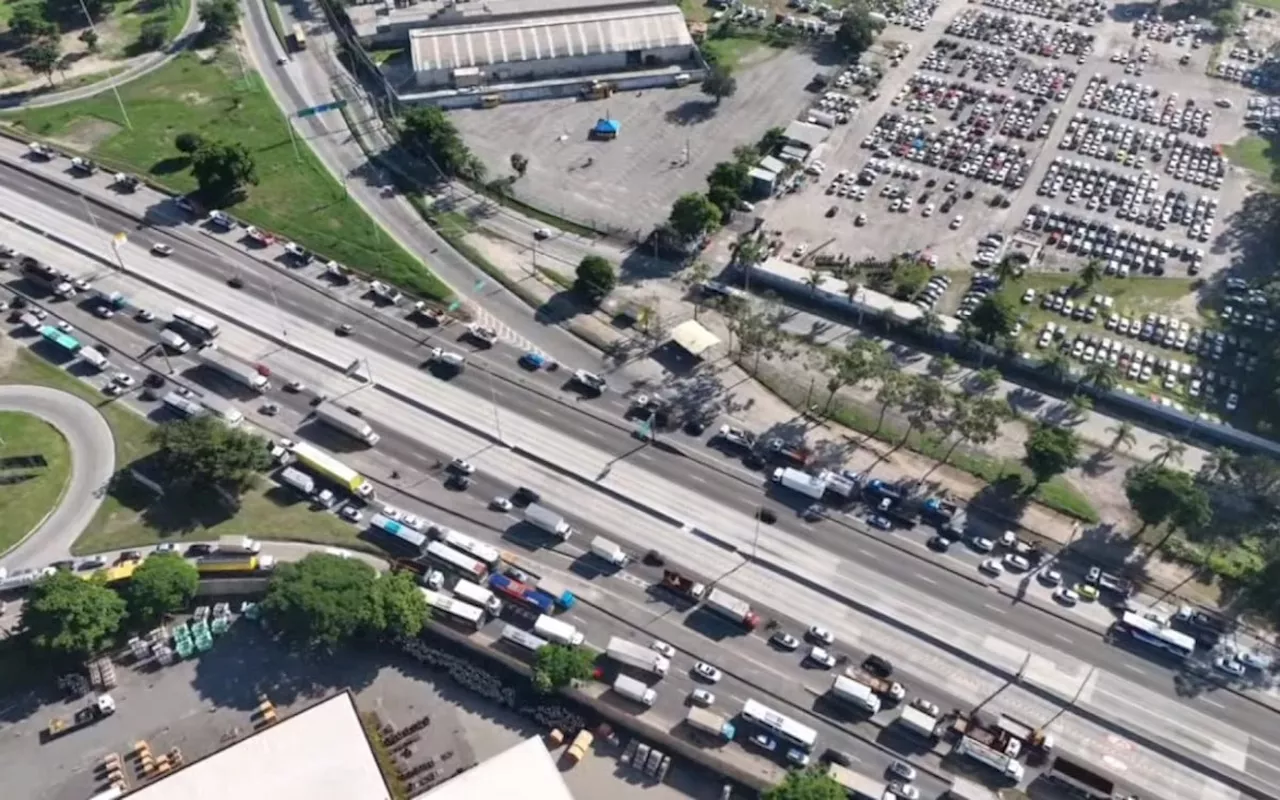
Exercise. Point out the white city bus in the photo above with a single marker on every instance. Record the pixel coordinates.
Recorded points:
(789, 730)
(190, 320)
(449, 558)
(454, 609)
(472, 547)
(523, 638)
(1156, 634)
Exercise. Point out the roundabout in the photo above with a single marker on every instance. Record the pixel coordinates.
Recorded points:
(62, 459)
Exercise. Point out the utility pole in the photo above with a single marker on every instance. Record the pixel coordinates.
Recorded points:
(115, 91)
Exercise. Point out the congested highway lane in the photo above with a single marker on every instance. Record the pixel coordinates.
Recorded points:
(894, 589)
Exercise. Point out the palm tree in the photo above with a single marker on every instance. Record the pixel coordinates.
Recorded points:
(1056, 366)
(895, 388)
(943, 366)
(1122, 436)
(1168, 450)
(1101, 375)
(1092, 273)
(813, 280)
(1081, 405)
(1006, 270)
(750, 251)
(1220, 465)
(928, 323)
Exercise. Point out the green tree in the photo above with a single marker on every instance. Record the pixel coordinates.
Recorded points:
(1168, 450)
(1225, 19)
(69, 617)
(944, 366)
(27, 22)
(1091, 273)
(72, 12)
(223, 170)
(1221, 465)
(1158, 494)
(1050, 451)
(861, 360)
(895, 388)
(858, 31)
(401, 609)
(723, 198)
(1081, 405)
(733, 175)
(596, 278)
(1122, 436)
(165, 583)
(152, 35)
(987, 379)
(427, 132)
(42, 57)
(323, 601)
(749, 251)
(995, 317)
(520, 163)
(924, 404)
(188, 142)
(927, 324)
(1006, 271)
(772, 139)
(1056, 366)
(558, 665)
(220, 18)
(693, 214)
(1101, 375)
(811, 784)
(719, 82)
(90, 38)
(909, 276)
(201, 452)
(694, 279)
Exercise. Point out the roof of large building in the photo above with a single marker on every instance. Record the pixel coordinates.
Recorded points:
(541, 38)
(526, 771)
(318, 753)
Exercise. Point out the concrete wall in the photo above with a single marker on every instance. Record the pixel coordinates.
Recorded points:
(572, 66)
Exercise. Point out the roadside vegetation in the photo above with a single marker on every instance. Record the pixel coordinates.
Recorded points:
(250, 162)
(35, 466)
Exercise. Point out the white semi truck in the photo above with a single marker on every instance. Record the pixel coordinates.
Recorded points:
(239, 371)
(802, 482)
(727, 605)
(548, 520)
(557, 631)
(855, 693)
(638, 656)
(918, 721)
(348, 422)
(633, 689)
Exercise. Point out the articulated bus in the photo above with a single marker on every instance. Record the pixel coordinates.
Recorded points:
(68, 343)
(784, 727)
(198, 326)
(1152, 632)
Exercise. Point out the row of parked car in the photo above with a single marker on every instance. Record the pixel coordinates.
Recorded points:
(1020, 33)
(1079, 12)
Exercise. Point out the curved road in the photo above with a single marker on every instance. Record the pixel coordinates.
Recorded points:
(93, 461)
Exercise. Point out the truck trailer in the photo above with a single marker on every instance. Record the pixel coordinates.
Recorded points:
(545, 519)
(855, 693)
(725, 604)
(1082, 780)
(557, 631)
(1003, 762)
(239, 371)
(708, 721)
(329, 467)
(638, 656)
(101, 708)
(609, 551)
(802, 482)
(919, 722)
(347, 421)
(633, 689)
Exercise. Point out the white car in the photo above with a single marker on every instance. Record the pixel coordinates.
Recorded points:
(1066, 596)
(1016, 563)
(146, 316)
(500, 504)
(1050, 577)
(124, 380)
(906, 790)
(104, 312)
(1229, 666)
(822, 635)
(161, 249)
(1233, 401)
(461, 465)
(821, 657)
(351, 514)
(541, 233)
(982, 544)
(1029, 295)
(701, 697)
(664, 648)
(957, 222)
(167, 547)
(1254, 660)
(798, 757)
(707, 672)
(992, 566)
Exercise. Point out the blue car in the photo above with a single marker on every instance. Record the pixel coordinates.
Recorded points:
(877, 521)
(533, 360)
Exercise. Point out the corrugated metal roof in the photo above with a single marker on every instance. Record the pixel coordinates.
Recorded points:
(572, 35)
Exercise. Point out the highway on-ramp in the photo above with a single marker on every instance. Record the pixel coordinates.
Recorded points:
(93, 460)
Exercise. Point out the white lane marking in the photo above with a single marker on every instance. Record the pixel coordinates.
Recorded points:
(1135, 668)
(866, 553)
(1066, 639)
(926, 579)
(996, 609)
(1212, 702)
(697, 478)
(546, 412)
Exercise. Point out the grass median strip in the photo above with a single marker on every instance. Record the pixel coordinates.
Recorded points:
(35, 465)
(132, 517)
(212, 96)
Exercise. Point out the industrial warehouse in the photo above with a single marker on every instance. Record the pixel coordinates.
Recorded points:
(469, 54)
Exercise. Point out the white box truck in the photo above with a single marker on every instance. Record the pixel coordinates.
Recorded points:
(633, 689)
(802, 482)
(609, 551)
(347, 421)
(638, 656)
(298, 480)
(727, 605)
(708, 721)
(92, 356)
(557, 631)
(918, 721)
(174, 341)
(548, 520)
(1005, 764)
(242, 372)
(855, 693)
(238, 544)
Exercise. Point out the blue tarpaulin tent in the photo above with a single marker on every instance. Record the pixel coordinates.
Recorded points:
(606, 129)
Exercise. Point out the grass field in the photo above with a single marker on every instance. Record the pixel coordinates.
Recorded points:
(1256, 153)
(35, 488)
(129, 518)
(128, 19)
(295, 197)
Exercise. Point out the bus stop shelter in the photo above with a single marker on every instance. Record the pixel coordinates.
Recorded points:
(693, 338)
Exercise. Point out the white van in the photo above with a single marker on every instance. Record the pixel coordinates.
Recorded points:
(174, 341)
(448, 358)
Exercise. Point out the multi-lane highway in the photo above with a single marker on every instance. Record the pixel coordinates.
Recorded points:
(509, 395)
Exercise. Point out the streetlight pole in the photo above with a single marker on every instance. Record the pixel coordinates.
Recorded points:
(115, 91)
(493, 398)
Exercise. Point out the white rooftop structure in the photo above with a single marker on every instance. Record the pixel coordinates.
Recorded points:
(526, 771)
(319, 753)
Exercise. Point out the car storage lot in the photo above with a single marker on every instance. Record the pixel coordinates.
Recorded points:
(999, 95)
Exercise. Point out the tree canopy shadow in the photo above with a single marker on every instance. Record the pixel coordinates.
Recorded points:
(691, 112)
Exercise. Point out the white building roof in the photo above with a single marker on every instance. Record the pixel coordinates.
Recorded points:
(318, 753)
(694, 338)
(543, 38)
(526, 771)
